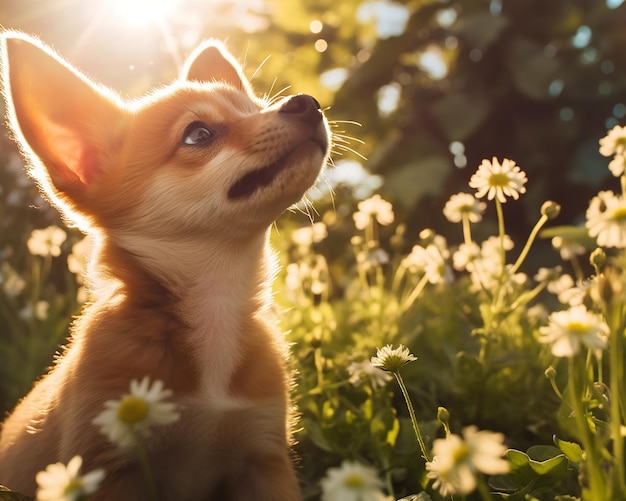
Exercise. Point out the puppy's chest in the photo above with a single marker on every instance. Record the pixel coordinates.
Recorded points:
(215, 438)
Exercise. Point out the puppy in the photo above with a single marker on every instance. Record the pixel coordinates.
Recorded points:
(179, 190)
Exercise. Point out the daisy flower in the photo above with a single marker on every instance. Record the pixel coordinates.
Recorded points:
(373, 208)
(363, 371)
(568, 330)
(46, 242)
(568, 248)
(59, 482)
(392, 360)
(498, 181)
(614, 143)
(464, 204)
(297, 275)
(465, 255)
(436, 268)
(132, 415)
(606, 219)
(372, 258)
(352, 481)
(458, 460)
(567, 291)
(10, 280)
(308, 235)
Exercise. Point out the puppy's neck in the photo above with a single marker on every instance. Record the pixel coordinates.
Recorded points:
(215, 289)
(186, 266)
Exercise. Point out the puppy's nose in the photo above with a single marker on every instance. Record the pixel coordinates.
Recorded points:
(303, 107)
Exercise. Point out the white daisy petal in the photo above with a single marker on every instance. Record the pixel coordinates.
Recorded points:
(458, 460)
(59, 482)
(498, 180)
(136, 412)
(606, 219)
(568, 330)
(352, 481)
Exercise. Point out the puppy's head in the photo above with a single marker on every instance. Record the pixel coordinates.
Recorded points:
(203, 155)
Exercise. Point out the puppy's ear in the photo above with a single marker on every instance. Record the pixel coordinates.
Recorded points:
(64, 123)
(211, 62)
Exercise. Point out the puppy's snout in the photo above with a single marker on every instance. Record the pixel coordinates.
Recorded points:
(303, 107)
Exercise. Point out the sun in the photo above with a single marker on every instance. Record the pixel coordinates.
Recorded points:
(142, 13)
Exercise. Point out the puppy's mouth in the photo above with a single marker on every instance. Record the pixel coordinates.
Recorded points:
(264, 176)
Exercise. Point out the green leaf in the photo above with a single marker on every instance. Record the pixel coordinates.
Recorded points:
(554, 467)
(530, 475)
(392, 434)
(572, 450)
(422, 496)
(7, 495)
(543, 452)
(574, 233)
(317, 435)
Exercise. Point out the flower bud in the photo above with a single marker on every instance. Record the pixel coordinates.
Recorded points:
(550, 209)
(443, 416)
(598, 259)
(608, 287)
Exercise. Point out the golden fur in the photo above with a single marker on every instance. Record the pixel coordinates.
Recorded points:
(180, 274)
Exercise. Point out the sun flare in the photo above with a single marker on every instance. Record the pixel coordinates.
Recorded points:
(141, 13)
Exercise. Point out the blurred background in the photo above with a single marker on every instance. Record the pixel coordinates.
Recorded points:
(436, 86)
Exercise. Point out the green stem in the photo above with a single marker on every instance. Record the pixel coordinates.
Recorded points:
(483, 489)
(616, 377)
(319, 366)
(531, 238)
(142, 456)
(597, 484)
(388, 477)
(362, 272)
(318, 390)
(527, 298)
(406, 304)
(501, 234)
(371, 231)
(552, 379)
(578, 271)
(397, 280)
(416, 428)
(496, 303)
(467, 233)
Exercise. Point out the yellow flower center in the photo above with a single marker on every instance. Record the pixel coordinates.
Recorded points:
(132, 409)
(577, 327)
(354, 481)
(619, 214)
(460, 454)
(74, 486)
(499, 180)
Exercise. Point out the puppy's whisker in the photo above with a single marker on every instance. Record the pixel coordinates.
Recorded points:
(258, 68)
(278, 95)
(340, 149)
(339, 138)
(333, 123)
(266, 95)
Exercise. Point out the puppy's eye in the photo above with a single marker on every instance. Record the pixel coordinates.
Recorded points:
(197, 133)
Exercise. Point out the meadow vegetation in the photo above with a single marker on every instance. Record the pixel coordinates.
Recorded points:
(455, 304)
